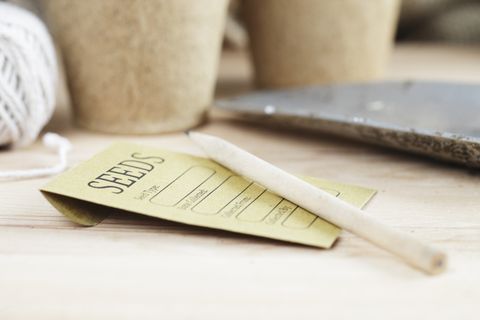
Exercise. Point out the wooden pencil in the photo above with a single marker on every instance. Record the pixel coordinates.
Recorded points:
(321, 203)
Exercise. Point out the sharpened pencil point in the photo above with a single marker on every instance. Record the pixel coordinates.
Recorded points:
(199, 139)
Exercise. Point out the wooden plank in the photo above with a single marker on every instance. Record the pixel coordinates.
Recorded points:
(134, 267)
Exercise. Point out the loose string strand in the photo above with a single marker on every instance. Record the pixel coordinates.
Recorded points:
(53, 141)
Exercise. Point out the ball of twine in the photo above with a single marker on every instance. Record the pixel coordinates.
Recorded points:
(28, 76)
(28, 82)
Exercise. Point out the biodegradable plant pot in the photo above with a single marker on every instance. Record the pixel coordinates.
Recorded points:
(303, 42)
(138, 66)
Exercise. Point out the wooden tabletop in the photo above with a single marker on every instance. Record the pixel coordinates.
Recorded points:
(130, 267)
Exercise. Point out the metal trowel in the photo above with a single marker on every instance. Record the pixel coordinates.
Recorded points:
(437, 119)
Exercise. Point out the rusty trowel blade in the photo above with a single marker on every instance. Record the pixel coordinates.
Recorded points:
(437, 119)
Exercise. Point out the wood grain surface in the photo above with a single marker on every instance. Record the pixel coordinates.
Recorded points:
(132, 267)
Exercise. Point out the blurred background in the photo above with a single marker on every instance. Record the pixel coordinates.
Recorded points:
(266, 44)
(456, 21)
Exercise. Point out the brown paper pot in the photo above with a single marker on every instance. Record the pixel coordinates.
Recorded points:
(319, 41)
(139, 66)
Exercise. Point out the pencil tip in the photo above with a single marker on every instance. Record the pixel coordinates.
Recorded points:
(201, 138)
(193, 135)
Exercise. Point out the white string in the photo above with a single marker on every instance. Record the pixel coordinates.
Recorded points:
(52, 141)
(28, 83)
